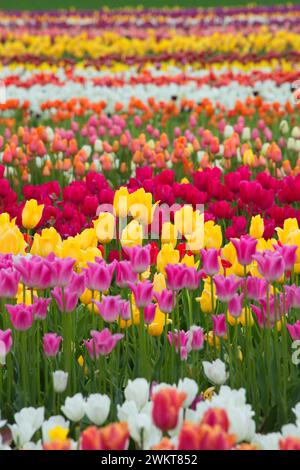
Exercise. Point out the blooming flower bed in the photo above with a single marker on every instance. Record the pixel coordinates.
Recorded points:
(149, 230)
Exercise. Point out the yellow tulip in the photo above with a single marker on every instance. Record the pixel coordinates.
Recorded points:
(249, 157)
(140, 206)
(32, 214)
(212, 235)
(290, 225)
(159, 282)
(46, 242)
(156, 328)
(189, 261)
(169, 234)
(87, 238)
(105, 227)
(11, 239)
(69, 248)
(121, 202)
(257, 227)
(167, 255)
(132, 234)
(186, 220)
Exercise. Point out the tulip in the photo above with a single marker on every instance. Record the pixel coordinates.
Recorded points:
(288, 254)
(185, 344)
(190, 388)
(51, 344)
(165, 300)
(256, 288)
(294, 330)
(226, 287)
(32, 214)
(40, 307)
(109, 307)
(143, 293)
(235, 305)
(9, 280)
(105, 227)
(166, 406)
(5, 344)
(62, 270)
(132, 234)
(99, 276)
(215, 371)
(115, 436)
(35, 272)
(66, 300)
(196, 338)
(102, 342)
(74, 407)
(60, 381)
(124, 274)
(219, 323)
(245, 249)
(125, 310)
(137, 390)
(21, 316)
(292, 296)
(149, 313)
(216, 417)
(175, 276)
(210, 260)
(139, 258)
(97, 408)
(270, 265)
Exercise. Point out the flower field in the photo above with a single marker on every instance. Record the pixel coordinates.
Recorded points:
(150, 229)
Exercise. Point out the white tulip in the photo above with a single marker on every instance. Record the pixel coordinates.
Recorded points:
(138, 391)
(74, 407)
(27, 422)
(60, 381)
(296, 132)
(246, 134)
(228, 131)
(268, 441)
(52, 423)
(215, 371)
(291, 143)
(97, 408)
(126, 410)
(98, 146)
(190, 387)
(143, 431)
(284, 127)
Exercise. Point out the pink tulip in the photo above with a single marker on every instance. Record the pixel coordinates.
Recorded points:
(40, 307)
(62, 270)
(6, 340)
(235, 305)
(35, 272)
(245, 249)
(183, 338)
(175, 276)
(288, 254)
(270, 265)
(294, 330)
(226, 287)
(210, 260)
(149, 313)
(196, 338)
(102, 342)
(124, 274)
(139, 258)
(51, 344)
(109, 307)
(125, 310)
(77, 283)
(292, 296)
(256, 288)
(21, 316)
(143, 293)
(99, 276)
(9, 280)
(66, 301)
(219, 324)
(165, 300)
